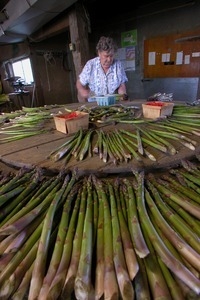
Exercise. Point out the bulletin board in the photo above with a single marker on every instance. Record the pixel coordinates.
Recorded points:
(176, 55)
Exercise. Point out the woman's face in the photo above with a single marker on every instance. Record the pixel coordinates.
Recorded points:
(106, 58)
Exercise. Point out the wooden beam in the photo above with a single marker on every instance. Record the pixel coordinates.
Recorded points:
(78, 26)
(51, 29)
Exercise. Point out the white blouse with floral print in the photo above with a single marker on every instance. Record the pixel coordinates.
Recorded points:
(101, 84)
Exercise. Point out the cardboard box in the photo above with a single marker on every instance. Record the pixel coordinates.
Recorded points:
(154, 112)
(71, 125)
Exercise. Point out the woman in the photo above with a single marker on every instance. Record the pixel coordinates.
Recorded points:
(103, 74)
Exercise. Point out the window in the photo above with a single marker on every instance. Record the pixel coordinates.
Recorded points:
(22, 68)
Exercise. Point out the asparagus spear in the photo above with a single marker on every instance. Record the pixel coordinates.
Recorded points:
(50, 187)
(129, 252)
(76, 251)
(124, 281)
(158, 285)
(19, 256)
(99, 270)
(98, 148)
(21, 177)
(60, 239)
(175, 290)
(134, 224)
(79, 136)
(126, 143)
(125, 152)
(123, 195)
(11, 194)
(22, 290)
(20, 271)
(149, 141)
(192, 194)
(162, 251)
(139, 141)
(183, 247)
(20, 201)
(186, 216)
(64, 146)
(141, 284)
(83, 285)
(105, 149)
(83, 146)
(146, 152)
(111, 290)
(60, 276)
(175, 220)
(155, 137)
(172, 249)
(114, 147)
(22, 222)
(185, 202)
(43, 247)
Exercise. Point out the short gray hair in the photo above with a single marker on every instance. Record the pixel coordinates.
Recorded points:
(106, 44)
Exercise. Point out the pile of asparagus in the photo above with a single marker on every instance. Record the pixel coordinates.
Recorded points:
(122, 145)
(27, 122)
(72, 237)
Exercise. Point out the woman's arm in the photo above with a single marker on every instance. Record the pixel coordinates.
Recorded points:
(122, 91)
(83, 92)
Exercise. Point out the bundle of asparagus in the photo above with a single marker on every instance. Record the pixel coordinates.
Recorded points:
(71, 237)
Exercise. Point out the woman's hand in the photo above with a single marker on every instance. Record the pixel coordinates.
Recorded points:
(125, 97)
(122, 92)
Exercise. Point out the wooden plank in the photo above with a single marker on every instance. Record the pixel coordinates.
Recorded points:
(37, 156)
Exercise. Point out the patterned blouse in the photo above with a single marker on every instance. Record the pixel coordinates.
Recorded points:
(100, 83)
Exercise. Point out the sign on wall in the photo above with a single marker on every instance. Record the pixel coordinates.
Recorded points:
(127, 53)
(129, 38)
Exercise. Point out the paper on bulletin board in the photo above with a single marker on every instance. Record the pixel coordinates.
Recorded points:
(130, 53)
(165, 57)
(196, 54)
(179, 58)
(129, 65)
(121, 53)
(152, 58)
(130, 58)
(127, 57)
(187, 59)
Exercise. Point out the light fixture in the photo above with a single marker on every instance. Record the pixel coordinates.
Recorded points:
(72, 47)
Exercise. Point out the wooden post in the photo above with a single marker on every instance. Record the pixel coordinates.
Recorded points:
(78, 27)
